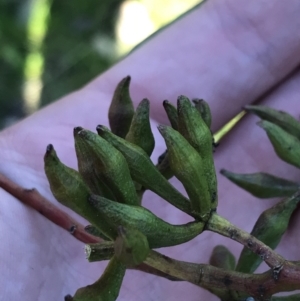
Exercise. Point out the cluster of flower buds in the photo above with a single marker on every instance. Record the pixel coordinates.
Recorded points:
(114, 170)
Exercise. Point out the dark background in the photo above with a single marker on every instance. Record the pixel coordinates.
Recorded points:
(51, 46)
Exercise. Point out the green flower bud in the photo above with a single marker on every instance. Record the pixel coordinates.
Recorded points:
(131, 246)
(286, 146)
(70, 190)
(99, 251)
(107, 288)
(203, 108)
(280, 118)
(121, 109)
(222, 258)
(262, 185)
(171, 113)
(187, 166)
(195, 131)
(269, 228)
(99, 160)
(158, 232)
(91, 176)
(143, 171)
(140, 130)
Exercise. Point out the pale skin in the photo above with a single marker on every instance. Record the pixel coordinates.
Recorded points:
(227, 52)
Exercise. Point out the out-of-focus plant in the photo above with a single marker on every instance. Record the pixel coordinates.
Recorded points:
(114, 170)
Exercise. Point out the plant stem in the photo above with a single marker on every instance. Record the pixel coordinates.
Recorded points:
(259, 286)
(222, 226)
(33, 199)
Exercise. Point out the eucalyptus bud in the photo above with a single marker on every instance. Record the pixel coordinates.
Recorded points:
(195, 131)
(262, 185)
(171, 113)
(280, 118)
(269, 228)
(182, 158)
(131, 246)
(121, 109)
(158, 232)
(143, 171)
(140, 129)
(203, 108)
(107, 288)
(98, 159)
(70, 190)
(222, 258)
(286, 146)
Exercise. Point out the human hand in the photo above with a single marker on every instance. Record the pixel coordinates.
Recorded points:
(230, 53)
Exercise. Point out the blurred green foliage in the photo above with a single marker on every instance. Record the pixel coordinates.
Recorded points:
(12, 56)
(78, 45)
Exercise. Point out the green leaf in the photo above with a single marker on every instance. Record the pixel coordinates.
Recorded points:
(262, 185)
(280, 118)
(269, 228)
(286, 146)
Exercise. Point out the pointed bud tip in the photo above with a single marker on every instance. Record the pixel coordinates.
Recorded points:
(145, 101)
(50, 152)
(166, 102)
(181, 101)
(68, 298)
(125, 81)
(223, 171)
(162, 128)
(49, 149)
(100, 129)
(77, 130)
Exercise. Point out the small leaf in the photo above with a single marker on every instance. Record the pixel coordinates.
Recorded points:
(269, 228)
(203, 108)
(107, 288)
(280, 118)
(121, 109)
(262, 185)
(286, 146)
(140, 129)
(171, 113)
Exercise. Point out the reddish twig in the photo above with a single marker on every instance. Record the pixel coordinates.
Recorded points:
(33, 199)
